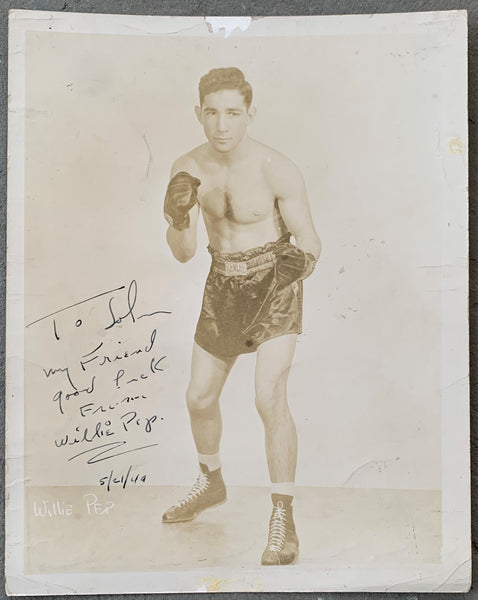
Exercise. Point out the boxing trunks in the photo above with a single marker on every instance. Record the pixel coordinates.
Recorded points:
(242, 305)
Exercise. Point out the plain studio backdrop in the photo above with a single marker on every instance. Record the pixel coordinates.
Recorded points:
(106, 117)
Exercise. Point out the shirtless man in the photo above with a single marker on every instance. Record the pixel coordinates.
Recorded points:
(252, 199)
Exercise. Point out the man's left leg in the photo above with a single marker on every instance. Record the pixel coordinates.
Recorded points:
(274, 359)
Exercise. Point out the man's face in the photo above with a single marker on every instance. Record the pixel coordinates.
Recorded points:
(225, 118)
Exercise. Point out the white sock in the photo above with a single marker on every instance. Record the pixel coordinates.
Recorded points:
(212, 461)
(285, 488)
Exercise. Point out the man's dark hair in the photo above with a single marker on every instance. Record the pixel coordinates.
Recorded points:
(230, 78)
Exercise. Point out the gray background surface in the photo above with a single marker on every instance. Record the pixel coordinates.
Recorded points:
(264, 8)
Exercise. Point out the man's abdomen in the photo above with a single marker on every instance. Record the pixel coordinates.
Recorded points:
(229, 236)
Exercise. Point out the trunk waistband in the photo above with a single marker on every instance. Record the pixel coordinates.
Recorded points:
(244, 267)
(250, 261)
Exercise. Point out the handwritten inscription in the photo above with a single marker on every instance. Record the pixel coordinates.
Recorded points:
(102, 393)
(52, 508)
(57, 508)
(95, 507)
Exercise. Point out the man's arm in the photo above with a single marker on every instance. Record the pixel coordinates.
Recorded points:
(288, 186)
(183, 242)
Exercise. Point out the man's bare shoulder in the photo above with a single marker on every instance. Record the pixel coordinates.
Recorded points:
(280, 171)
(189, 162)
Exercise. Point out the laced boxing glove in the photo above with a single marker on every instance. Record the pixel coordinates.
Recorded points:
(293, 264)
(181, 196)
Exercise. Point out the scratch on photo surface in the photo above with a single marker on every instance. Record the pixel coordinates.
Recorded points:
(456, 381)
(414, 535)
(380, 464)
(438, 588)
(404, 582)
(150, 159)
(21, 480)
(175, 32)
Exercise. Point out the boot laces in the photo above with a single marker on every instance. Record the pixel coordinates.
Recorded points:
(199, 487)
(277, 528)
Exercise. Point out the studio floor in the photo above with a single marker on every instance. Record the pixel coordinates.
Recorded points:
(121, 530)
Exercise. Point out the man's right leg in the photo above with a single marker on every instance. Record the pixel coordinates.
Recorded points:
(208, 376)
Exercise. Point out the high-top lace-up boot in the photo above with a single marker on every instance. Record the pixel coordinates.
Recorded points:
(283, 543)
(209, 490)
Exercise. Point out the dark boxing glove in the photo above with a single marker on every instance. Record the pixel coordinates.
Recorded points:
(181, 196)
(293, 264)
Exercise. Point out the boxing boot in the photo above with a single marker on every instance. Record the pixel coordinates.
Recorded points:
(209, 490)
(283, 543)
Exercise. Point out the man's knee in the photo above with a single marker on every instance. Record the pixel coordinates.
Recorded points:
(200, 401)
(271, 401)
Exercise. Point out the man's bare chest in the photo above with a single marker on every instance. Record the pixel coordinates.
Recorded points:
(237, 195)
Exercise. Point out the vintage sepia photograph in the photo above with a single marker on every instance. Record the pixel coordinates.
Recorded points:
(237, 331)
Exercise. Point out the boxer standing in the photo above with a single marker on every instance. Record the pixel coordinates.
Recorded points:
(252, 199)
